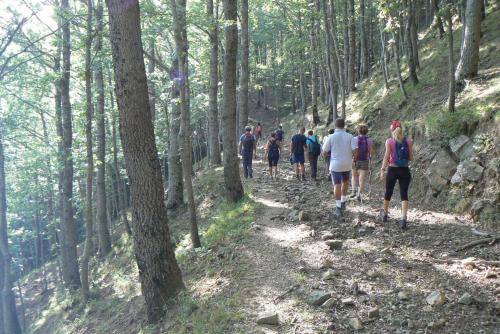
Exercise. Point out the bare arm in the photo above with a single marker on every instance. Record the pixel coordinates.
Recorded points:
(385, 162)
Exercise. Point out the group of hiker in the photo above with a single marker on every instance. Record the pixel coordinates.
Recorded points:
(347, 160)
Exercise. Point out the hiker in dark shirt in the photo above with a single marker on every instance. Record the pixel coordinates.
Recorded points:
(273, 151)
(248, 148)
(297, 149)
(314, 150)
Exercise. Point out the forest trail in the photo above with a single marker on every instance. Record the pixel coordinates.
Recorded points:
(379, 279)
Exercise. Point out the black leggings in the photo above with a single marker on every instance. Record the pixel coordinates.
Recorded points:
(394, 174)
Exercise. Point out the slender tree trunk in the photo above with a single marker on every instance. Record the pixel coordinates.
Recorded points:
(213, 117)
(451, 88)
(71, 273)
(314, 67)
(244, 75)
(89, 215)
(333, 70)
(412, 66)
(351, 72)
(232, 180)
(383, 60)
(414, 33)
(102, 221)
(339, 78)
(365, 62)
(9, 323)
(468, 64)
(121, 183)
(160, 276)
(438, 23)
(398, 66)
(182, 47)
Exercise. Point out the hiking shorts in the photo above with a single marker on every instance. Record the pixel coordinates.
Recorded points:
(299, 158)
(339, 177)
(360, 165)
(273, 161)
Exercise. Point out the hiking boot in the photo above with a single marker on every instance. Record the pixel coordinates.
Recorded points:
(338, 212)
(358, 198)
(403, 224)
(343, 205)
(303, 177)
(250, 176)
(382, 217)
(298, 177)
(353, 194)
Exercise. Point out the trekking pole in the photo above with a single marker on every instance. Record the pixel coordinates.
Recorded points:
(370, 178)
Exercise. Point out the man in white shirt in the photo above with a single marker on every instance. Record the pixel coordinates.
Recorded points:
(342, 148)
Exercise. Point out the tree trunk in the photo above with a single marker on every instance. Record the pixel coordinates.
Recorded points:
(438, 21)
(469, 56)
(398, 66)
(351, 73)
(9, 323)
(71, 273)
(414, 33)
(339, 78)
(159, 273)
(383, 60)
(451, 89)
(102, 221)
(89, 215)
(234, 188)
(213, 117)
(365, 62)
(244, 75)
(314, 67)
(182, 48)
(151, 84)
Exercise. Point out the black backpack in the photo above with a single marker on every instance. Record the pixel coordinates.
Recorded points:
(273, 149)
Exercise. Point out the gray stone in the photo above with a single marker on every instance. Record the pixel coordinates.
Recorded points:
(329, 274)
(268, 319)
(355, 323)
(403, 295)
(318, 297)
(462, 147)
(334, 244)
(410, 324)
(327, 236)
(303, 216)
(436, 298)
(440, 170)
(374, 312)
(329, 303)
(467, 170)
(466, 299)
(348, 301)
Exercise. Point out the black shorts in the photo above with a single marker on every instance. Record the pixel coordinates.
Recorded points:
(273, 162)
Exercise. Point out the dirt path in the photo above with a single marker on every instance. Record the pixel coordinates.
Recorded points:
(379, 268)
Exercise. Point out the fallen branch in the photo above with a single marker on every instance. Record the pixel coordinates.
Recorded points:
(285, 293)
(479, 233)
(473, 263)
(489, 241)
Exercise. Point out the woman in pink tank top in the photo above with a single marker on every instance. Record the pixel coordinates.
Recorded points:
(398, 154)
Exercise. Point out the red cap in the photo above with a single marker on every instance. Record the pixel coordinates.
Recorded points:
(395, 125)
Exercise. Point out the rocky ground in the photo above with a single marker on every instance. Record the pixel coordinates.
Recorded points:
(302, 271)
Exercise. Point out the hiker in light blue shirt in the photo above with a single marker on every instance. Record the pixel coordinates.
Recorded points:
(343, 148)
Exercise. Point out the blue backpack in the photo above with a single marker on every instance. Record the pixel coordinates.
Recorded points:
(402, 153)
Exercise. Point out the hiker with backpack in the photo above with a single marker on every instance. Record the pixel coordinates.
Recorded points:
(298, 146)
(398, 154)
(280, 135)
(258, 131)
(272, 153)
(314, 152)
(343, 149)
(327, 157)
(361, 164)
(248, 150)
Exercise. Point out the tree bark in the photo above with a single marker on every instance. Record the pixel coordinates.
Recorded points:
(244, 75)
(232, 180)
(159, 273)
(398, 65)
(451, 87)
(383, 60)
(9, 322)
(314, 65)
(351, 73)
(438, 21)
(468, 64)
(365, 62)
(89, 215)
(71, 273)
(213, 113)
(102, 221)
(182, 81)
